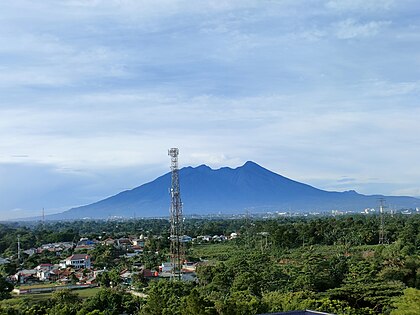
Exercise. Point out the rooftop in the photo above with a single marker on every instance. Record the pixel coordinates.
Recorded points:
(78, 257)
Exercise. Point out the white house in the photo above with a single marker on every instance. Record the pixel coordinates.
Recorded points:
(78, 261)
(43, 271)
(233, 235)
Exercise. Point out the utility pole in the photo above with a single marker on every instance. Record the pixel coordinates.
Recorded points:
(176, 218)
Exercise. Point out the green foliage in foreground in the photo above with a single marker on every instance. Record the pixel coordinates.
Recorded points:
(5, 288)
(178, 298)
(408, 304)
(65, 302)
(327, 264)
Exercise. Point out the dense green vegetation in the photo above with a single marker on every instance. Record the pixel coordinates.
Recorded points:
(65, 302)
(331, 264)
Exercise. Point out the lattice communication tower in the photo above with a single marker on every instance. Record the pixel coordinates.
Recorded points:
(177, 247)
(382, 207)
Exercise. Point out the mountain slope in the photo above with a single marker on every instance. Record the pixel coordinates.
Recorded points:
(226, 190)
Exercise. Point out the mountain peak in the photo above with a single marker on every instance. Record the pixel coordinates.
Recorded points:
(227, 190)
(202, 167)
(251, 164)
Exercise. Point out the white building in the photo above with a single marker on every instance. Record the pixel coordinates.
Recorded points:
(43, 271)
(78, 261)
(166, 267)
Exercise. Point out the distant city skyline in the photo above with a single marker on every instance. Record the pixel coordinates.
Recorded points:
(93, 93)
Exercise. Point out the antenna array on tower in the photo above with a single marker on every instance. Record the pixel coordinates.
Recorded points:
(176, 219)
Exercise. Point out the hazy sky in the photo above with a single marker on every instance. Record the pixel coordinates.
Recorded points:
(93, 93)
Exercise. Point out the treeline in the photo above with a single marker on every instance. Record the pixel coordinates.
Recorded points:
(344, 230)
(286, 232)
(327, 264)
(105, 302)
(330, 264)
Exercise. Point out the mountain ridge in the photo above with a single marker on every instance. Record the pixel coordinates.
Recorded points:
(228, 190)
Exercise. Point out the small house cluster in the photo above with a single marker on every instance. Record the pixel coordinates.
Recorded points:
(78, 267)
(75, 268)
(215, 238)
(133, 244)
(57, 248)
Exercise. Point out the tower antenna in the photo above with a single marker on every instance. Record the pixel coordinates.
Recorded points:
(382, 221)
(18, 248)
(176, 219)
(43, 216)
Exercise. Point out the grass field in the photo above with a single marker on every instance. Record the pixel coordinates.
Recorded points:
(36, 297)
(37, 286)
(217, 251)
(17, 301)
(86, 293)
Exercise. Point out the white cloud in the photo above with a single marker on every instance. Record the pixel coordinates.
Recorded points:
(94, 87)
(413, 191)
(233, 130)
(351, 28)
(384, 88)
(213, 159)
(360, 5)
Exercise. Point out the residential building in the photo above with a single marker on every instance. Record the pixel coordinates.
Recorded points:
(123, 243)
(77, 261)
(43, 271)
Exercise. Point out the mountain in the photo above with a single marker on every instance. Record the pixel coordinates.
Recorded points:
(226, 190)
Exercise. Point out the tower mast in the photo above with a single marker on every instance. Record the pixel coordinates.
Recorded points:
(382, 221)
(176, 219)
(18, 248)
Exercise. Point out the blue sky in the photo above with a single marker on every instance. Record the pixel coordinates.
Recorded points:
(93, 93)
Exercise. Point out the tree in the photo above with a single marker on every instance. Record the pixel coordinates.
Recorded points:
(165, 297)
(407, 304)
(65, 297)
(277, 301)
(376, 295)
(63, 302)
(243, 303)
(111, 302)
(5, 288)
(196, 304)
(109, 278)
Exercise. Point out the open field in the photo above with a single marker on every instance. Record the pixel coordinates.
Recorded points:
(217, 251)
(18, 302)
(37, 286)
(36, 297)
